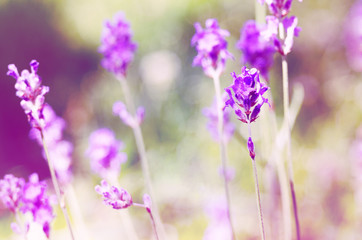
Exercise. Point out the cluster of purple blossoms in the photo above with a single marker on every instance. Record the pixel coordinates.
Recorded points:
(29, 89)
(211, 114)
(118, 198)
(120, 110)
(257, 45)
(27, 198)
(279, 8)
(246, 98)
(211, 47)
(117, 46)
(104, 152)
(60, 151)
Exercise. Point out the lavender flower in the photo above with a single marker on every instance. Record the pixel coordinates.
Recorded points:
(115, 197)
(121, 110)
(211, 47)
(211, 114)
(147, 202)
(37, 202)
(29, 89)
(256, 44)
(279, 8)
(247, 99)
(117, 46)
(291, 29)
(28, 198)
(11, 191)
(104, 152)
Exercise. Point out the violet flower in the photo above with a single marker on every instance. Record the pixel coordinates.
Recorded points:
(118, 198)
(104, 152)
(279, 8)
(117, 46)
(121, 110)
(211, 114)
(211, 47)
(11, 191)
(246, 98)
(29, 89)
(256, 44)
(290, 26)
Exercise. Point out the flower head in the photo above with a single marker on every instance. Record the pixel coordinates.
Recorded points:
(279, 8)
(117, 46)
(29, 89)
(291, 29)
(118, 198)
(121, 110)
(147, 202)
(104, 152)
(11, 191)
(211, 114)
(256, 44)
(211, 47)
(246, 95)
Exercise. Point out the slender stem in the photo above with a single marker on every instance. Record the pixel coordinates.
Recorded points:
(149, 210)
(142, 152)
(56, 186)
(258, 200)
(257, 191)
(288, 132)
(223, 147)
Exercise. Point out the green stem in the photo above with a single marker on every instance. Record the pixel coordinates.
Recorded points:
(56, 186)
(288, 132)
(223, 147)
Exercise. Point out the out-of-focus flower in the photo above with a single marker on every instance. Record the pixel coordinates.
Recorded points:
(256, 44)
(279, 8)
(29, 89)
(353, 36)
(117, 46)
(229, 173)
(104, 152)
(37, 202)
(290, 26)
(211, 47)
(121, 110)
(219, 226)
(212, 125)
(118, 198)
(11, 191)
(246, 95)
(60, 151)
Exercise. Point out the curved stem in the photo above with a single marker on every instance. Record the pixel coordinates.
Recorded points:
(223, 147)
(288, 132)
(142, 152)
(56, 186)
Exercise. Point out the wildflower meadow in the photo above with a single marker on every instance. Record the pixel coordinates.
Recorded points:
(167, 120)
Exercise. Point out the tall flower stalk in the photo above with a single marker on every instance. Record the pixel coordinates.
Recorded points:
(246, 99)
(212, 54)
(30, 89)
(118, 50)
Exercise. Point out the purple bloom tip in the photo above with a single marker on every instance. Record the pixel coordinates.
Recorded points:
(147, 202)
(251, 148)
(118, 198)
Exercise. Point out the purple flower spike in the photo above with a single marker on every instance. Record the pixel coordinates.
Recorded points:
(246, 95)
(104, 152)
(279, 8)
(147, 202)
(212, 125)
(256, 44)
(121, 110)
(117, 46)
(29, 89)
(36, 202)
(115, 197)
(211, 47)
(11, 191)
(251, 148)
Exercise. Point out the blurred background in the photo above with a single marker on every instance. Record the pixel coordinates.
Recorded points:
(327, 137)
